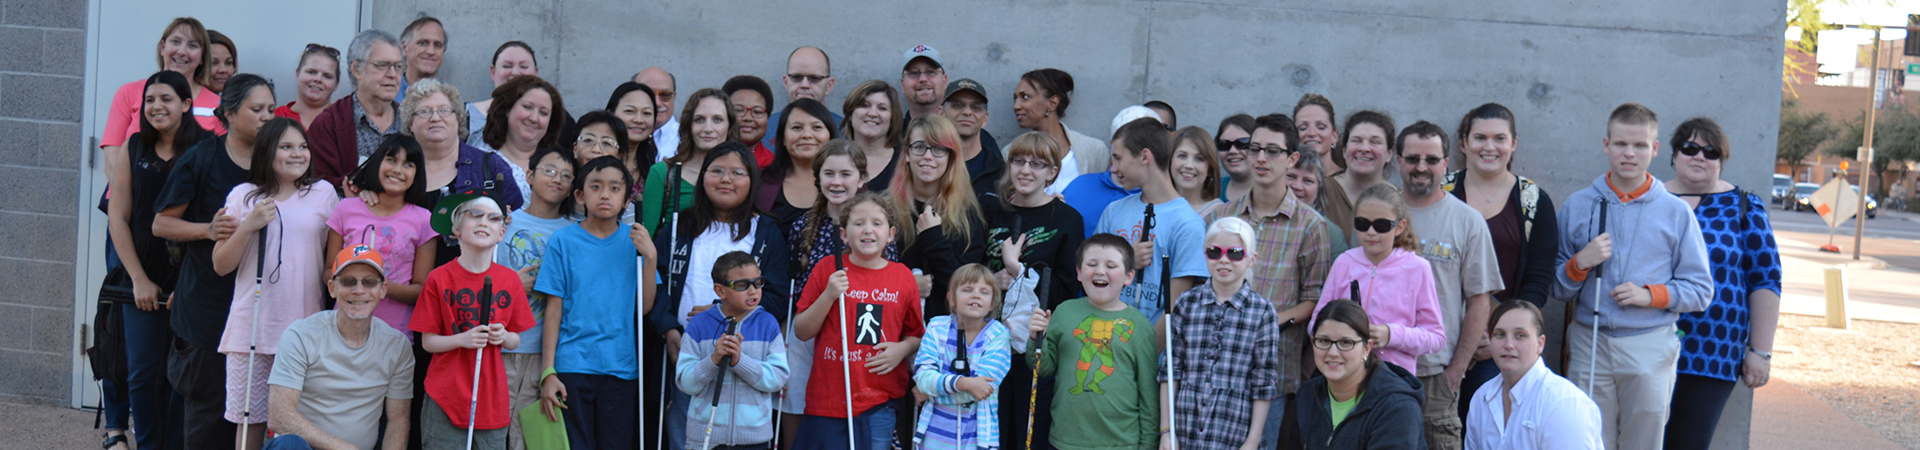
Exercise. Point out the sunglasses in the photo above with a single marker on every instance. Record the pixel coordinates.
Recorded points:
(330, 51)
(1224, 145)
(1691, 149)
(1360, 224)
(351, 282)
(1414, 160)
(1235, 254)
(744, 285)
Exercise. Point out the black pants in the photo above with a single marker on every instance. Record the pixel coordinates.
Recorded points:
(1697, 403)
(603, 412)
(1013, 408)
(199, 375)
(421, 359)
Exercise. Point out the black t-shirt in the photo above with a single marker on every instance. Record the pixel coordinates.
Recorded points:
(986, 168)
(881, 181)
(147, 175)
(201, 179)
(1054, 232)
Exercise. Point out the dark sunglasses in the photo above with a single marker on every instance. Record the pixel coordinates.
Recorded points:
(1235, 254)
(743, 285)
(1360, 224)
(1415, 160)
(1224, 145)
(330, 51)
(351, 282)
(1691, 149)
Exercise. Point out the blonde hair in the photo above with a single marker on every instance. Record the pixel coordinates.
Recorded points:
(1234, 226)
(956, 203)
(198, 32)
(1031, 144)
(975, 273)
(419, 91)
(1390, 196)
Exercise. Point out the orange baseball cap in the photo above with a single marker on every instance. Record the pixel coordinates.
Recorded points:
(359, 254)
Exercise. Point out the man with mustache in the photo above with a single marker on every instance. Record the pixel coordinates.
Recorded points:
(966, 106)
(1455, 240)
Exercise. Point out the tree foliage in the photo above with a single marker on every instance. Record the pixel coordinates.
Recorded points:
(1896, 137)
(1801, 134)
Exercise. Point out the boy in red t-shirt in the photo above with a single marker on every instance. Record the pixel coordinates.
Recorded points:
(883, 330)
(448, 320)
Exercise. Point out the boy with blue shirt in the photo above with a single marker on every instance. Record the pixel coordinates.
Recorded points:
(1628, 366)
(754, 357)
(589, 335)
(522, 249)
(1142, 158)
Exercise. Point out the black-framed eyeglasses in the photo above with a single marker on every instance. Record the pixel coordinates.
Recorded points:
(921, 148)
(1414, 160)
(1274, 150)
(1343, 344)
(1224, 145)
(1360, 224)
(1034, 164)
(1235, 254)
(351, 282)
(1690, 148)
(744, 285)
(330, 51)
(806, 79)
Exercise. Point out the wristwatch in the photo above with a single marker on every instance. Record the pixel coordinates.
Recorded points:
(1763, 355)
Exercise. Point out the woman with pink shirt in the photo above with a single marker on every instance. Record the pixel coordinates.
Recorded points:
(1396, 284)
(182, 48)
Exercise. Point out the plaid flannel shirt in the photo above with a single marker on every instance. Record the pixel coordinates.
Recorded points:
(1294, 257)
(1225, 354)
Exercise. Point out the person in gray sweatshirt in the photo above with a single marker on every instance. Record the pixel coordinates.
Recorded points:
(1632, 252)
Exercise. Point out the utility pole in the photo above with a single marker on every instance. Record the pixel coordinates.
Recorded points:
(1866, 152)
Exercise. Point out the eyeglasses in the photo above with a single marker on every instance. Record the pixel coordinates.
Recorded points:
(1224, 145)
(916, 74)
(491, 217)
(1034, 164)
(806, 79)
(1344, 344)
(606, 142)
(1690, 148)
(330, 51)
(719, 172)
(551, 172)
(744, 285)
(752, 113)
(921, 149)
(431, 113)
(351, 282)
(1235, 254)
(1414, 160)
(386, 66)
(1360, 224)
(1274, 150)
(976, 108)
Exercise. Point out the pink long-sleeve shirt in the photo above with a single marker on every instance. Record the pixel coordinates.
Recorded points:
(1398, 293)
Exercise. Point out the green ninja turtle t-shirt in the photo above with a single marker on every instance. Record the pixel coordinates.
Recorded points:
(1102, 363)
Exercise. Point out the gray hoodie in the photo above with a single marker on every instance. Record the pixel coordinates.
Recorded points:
(1656, 243)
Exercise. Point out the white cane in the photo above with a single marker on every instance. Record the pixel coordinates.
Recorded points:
(640, 335)
(253, 335)
(1593, 344)
(673, 205)
(486, 318)
(846, 371)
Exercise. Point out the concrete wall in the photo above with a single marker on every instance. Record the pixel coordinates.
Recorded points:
(1561, 66)
(42, 44)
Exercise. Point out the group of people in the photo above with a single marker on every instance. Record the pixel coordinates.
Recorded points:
(405, 268)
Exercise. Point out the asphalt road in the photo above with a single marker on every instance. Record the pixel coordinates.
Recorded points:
(1893, 237)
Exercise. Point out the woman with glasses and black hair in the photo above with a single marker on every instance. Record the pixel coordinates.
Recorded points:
(752, 99)
(316, 78)
(723, 218)
(1519, 214)
(1356, 402)
(1732, 341)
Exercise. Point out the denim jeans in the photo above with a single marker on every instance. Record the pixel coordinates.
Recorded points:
(154, 405)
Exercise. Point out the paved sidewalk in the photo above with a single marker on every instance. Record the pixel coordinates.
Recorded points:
(1784, 417)
(46, 427)
(1876, 290)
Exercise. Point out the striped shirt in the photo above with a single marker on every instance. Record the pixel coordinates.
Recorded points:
(1225, 354)
(1294, 257)
(746, 402)
(953, 415)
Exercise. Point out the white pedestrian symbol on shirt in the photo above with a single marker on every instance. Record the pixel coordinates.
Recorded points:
(869, 325)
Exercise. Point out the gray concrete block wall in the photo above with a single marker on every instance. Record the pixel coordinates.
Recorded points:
(42, 60)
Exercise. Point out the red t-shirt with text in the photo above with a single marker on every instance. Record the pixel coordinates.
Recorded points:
(449, 304)
(885, 308)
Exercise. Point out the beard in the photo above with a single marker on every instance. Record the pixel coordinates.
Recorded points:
(1418, 188)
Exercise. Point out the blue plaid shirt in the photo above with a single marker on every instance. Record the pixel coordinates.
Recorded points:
(1227, 358)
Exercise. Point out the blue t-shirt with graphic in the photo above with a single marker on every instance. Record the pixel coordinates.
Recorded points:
(1177, 231)
(595, 279)
(526, 245)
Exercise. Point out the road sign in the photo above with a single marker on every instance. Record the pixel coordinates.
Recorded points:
(1913, 69)
(1836, 201)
